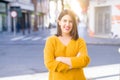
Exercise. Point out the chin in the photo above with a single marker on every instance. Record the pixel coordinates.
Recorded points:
(67, 32)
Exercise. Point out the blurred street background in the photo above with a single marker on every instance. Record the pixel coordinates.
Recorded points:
(26, 24)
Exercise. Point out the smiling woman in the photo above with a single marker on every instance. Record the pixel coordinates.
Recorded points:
(65, 54)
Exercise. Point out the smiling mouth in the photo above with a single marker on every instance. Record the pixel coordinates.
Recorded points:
(67, 28)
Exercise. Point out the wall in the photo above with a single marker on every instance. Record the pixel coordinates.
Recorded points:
(115, 28)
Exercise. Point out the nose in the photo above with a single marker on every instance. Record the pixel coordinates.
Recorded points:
(67, 23)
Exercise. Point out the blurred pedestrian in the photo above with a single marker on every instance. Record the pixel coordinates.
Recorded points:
(82, 29)
(65, 54)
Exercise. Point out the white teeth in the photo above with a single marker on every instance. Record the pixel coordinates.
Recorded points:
(67, 28)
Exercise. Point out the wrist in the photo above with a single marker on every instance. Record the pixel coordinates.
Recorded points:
(59, 59)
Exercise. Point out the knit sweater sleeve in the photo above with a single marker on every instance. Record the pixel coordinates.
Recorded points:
(83, 60)
(49, 57)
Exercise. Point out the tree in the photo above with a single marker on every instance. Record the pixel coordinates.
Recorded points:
(35, 28)
(84, 5)
(62, 3)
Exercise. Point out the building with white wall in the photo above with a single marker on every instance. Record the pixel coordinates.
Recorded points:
(104, 18)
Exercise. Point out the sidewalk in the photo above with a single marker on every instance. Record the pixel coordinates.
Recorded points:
(103, 41)
(106, 72)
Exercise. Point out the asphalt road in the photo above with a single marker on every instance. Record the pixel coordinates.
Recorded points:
(104, 54)
(28, 59)
(21, 59)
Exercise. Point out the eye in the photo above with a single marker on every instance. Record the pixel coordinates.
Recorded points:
(70, 21)
(64, 20)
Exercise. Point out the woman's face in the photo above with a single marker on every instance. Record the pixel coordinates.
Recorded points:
(66, 24)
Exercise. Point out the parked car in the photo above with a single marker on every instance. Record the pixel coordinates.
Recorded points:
(52, 25)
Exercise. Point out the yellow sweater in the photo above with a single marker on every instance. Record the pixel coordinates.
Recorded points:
(60, 71)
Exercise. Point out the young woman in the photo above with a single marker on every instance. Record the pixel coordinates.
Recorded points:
(65, 54)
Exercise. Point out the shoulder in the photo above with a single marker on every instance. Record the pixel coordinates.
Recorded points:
(51, 37)
(81, 40)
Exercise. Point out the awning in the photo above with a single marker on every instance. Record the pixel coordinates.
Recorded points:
(29, 7)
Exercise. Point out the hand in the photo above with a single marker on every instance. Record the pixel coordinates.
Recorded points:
(78, 55)
(65, 60)
(59, 59)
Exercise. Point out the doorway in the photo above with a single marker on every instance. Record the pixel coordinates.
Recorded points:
(102, 20)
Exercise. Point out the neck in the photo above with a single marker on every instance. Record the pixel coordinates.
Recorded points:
(66, 35)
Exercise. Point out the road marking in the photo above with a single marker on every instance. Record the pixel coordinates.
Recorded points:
(45, 38)
(23, 38)
(119, 50)
(17, 38)
(36, 38)
(27, 38)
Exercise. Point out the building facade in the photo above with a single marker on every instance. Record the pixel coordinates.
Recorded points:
(42, 11)
(24, 9)
(104, 18)
(3, 16)
(25, 15)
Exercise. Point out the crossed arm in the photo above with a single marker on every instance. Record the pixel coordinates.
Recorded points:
(66, 60)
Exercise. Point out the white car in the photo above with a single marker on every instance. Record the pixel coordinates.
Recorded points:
(115, 31)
